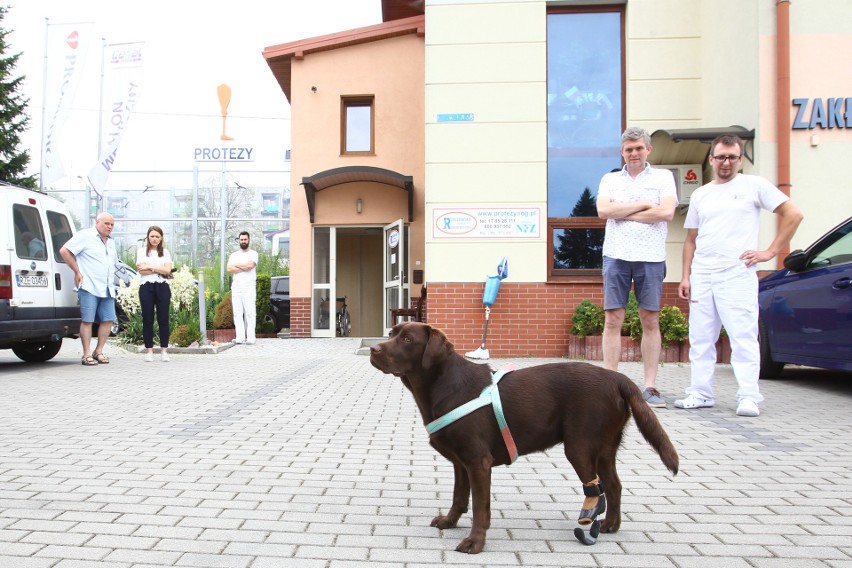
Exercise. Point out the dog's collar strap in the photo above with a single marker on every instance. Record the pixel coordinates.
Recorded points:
(489, 395)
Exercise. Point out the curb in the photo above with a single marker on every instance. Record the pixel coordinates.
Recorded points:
(200, 350)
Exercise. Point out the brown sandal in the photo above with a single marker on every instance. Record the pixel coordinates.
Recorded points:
(88, 360)
(100, 358)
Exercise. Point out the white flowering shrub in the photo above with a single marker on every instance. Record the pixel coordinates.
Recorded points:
(128, 295)
(183, 289)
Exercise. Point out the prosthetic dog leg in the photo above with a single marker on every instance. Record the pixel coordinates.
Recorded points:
(593, 505)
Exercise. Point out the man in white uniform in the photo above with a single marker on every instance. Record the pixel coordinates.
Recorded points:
(242, 264)
(720, 259)
(637, 202)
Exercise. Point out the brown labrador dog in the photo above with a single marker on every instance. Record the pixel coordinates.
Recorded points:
(581, 405)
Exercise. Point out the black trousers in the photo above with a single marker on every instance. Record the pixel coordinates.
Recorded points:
(155, 295)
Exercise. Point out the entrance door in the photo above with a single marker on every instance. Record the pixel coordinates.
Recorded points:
(324, 277)
(395, 271)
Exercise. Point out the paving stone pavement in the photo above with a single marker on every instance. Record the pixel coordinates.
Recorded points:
(298, 453)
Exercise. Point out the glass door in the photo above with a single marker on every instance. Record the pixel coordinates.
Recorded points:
(324, 274)
(395, 271)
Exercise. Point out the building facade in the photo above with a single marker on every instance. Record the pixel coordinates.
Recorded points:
(482, 128)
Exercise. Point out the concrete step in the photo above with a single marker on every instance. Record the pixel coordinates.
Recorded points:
(366, 343)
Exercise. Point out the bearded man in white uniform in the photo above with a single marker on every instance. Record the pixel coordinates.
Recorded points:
(720, 256)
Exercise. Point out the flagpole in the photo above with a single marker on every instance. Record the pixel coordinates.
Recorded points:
(43, 105)
(101, 99)
(102, 196)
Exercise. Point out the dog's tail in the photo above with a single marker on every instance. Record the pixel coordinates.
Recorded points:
(650, 426)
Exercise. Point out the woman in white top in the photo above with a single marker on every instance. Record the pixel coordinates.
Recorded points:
(155, 266)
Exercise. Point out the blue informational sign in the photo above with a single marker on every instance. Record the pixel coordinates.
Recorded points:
(456, 117)
(832, 113)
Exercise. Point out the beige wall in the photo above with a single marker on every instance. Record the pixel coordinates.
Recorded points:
(391, 70)
(690, 63)
(497, 71)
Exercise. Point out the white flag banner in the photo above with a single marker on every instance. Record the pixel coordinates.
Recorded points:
(122, 88)
(65, 55)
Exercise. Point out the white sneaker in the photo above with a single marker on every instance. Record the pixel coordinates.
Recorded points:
(693, 401)
(748, 407)
(238, 341)
(149, 358)
(164, 357)
(479, 353)
(250, 342)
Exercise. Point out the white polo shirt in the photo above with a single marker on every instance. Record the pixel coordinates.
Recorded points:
(631, 240)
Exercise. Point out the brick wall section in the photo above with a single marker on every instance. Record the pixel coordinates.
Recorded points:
(300, 317)
(527, 320)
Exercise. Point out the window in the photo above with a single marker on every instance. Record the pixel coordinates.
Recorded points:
(269, 204)
(60, 230)
(585, 118)
(357, 122)
(29, 234)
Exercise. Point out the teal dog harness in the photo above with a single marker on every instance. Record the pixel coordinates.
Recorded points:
(489, 395)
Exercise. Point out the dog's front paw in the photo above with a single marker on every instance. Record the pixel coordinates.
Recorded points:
(444, 522)
(610, 525)
(471, 545)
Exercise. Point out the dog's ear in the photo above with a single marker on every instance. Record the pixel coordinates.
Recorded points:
(438, 348)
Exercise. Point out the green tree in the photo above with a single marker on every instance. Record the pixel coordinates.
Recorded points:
(13, 119)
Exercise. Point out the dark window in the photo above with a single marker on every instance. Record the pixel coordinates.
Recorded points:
(29, 233)
(60, 232)
(585, 102)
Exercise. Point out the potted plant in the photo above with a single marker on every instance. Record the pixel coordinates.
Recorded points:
(587, 325)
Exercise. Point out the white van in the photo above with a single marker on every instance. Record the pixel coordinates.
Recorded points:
(38, 304)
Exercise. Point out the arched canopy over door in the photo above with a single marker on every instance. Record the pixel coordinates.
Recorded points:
(349, 174)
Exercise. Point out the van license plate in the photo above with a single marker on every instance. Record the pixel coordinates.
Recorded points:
(32, 281)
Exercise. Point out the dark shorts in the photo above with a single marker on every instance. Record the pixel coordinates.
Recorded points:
(647, 279)
(93, 308)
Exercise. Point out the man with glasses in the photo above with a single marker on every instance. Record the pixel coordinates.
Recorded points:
(637, 202)
(720, 256)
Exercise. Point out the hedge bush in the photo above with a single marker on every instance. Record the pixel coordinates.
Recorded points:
(224, 317)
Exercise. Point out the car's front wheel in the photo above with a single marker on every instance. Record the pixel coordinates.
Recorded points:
(37, 352)
(769, 369)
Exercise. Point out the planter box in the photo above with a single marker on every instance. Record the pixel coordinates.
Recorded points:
(224, 335)
(590, 348)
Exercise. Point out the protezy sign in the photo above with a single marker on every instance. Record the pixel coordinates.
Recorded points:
(833, 113)
(224, 154)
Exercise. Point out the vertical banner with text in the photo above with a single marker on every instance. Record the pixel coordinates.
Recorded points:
(65, 54)
(121, 89)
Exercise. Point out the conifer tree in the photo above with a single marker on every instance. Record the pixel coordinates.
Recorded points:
(13, 117)
(580, 248)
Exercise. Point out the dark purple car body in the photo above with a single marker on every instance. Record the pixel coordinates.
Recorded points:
(806, 307)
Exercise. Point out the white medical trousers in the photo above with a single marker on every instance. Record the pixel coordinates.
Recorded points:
(727, 298)
(243, 302)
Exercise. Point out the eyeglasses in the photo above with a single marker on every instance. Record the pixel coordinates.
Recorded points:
(723, 159)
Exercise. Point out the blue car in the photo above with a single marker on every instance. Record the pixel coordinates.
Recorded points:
(806, 307)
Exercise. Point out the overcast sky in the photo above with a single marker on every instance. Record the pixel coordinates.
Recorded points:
(191, 47)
